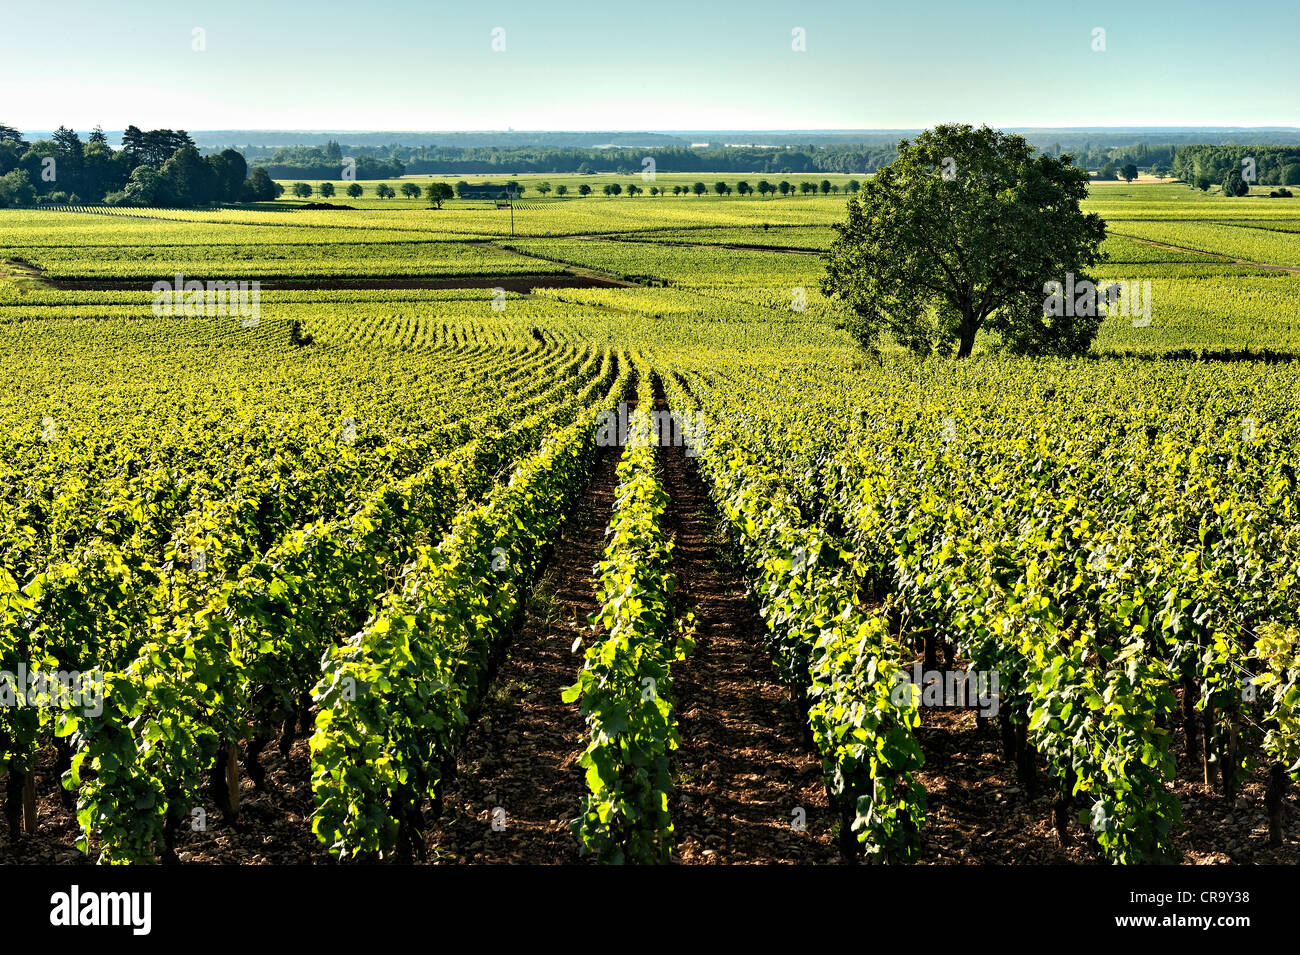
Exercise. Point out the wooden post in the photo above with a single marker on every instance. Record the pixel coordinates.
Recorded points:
(1207, 742)
(1189, 719)
(29, 802)
(1273, 799)
(232, 777)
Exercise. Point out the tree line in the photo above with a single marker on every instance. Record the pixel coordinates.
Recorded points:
(328, 162)
(325, 162)
(742, 188)
(159, 167)
(395, 160)
(1203, 166)
(438, 192)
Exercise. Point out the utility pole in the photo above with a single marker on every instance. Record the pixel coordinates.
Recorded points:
(512, 213)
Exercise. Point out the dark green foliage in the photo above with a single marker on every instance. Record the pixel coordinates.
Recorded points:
(962, 233)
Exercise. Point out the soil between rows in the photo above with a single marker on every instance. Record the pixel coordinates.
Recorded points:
(519, 763)
(749, 789)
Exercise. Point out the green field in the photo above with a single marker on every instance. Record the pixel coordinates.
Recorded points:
(1224, 272)
(251, 521)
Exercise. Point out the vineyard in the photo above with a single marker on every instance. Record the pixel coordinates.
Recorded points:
(595, 539)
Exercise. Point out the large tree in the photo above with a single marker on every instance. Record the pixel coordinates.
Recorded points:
(70, 154)
(133, 144)
(260, 187)
(187, 180)
(145, 187)
(1233, 185)
(103, 171)
(229, 170)
(16, 189)
(967, 230)
(437, 193)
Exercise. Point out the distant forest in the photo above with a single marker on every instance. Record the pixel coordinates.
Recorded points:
(159, 167)
(165, 167)
(325, 162)
(1203, 166)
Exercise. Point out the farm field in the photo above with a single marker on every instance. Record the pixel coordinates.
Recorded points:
(397, 567)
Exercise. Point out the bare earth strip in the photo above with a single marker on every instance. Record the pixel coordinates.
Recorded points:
(520, 759)
(746, 775)
(1295, 270)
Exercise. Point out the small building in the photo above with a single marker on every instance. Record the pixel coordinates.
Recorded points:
(481, 190)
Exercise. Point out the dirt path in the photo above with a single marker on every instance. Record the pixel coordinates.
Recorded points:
(523, 283)
(596, 277)
(632, 237)
(521, 756)
(1225, 259)
(744, 768)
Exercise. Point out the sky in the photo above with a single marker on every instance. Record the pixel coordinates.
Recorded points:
(677, 64)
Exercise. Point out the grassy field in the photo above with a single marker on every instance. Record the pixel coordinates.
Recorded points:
(362, 479)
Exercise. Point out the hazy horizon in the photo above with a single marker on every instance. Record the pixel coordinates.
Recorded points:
(398, 65)
(329, 130)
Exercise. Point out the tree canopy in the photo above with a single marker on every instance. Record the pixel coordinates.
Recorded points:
(155, 167)
(965, 232)
(437, 193)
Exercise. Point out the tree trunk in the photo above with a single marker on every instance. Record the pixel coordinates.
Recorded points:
(232, 779)
(29, 803)
(1207, 743)
(850, 849)
(1008, 736)
(1025, 760)
(1273, 799)
(252, 759)
(286, 737)
(969, 326)
(1190, 696)
(1061, 817)
(306, 722)
(1228, 760)
(14, 801)
(63, 753)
